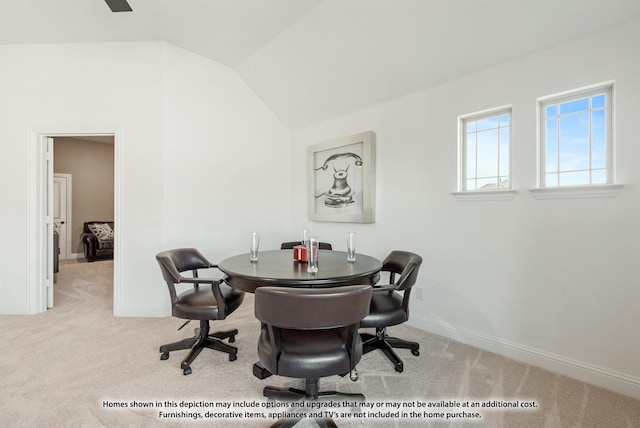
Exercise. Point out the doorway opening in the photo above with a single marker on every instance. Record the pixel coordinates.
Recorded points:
(41, 205)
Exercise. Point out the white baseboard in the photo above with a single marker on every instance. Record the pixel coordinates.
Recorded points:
(589, 373)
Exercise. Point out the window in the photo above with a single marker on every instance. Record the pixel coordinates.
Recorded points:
(575, 138)
(485, 146)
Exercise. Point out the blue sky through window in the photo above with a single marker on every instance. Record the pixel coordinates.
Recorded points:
(575, 141)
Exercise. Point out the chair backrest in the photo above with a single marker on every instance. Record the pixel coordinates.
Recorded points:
(405, 264)
(289, 245)
(312, 308)
(173, 262)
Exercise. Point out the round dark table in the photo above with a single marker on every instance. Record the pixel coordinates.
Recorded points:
(278, 268)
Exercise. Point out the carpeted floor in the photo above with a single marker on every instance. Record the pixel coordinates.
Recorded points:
(78, 366)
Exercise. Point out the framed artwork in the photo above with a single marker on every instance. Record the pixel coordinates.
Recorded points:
(342, 179)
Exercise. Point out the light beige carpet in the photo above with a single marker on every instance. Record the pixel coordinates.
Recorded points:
(73, 365)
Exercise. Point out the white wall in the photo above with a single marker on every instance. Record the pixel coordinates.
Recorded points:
(187, 130)
(227, 161)
(552, 282)
(69, 87)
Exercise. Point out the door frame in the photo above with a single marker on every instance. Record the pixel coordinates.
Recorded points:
(40, 191)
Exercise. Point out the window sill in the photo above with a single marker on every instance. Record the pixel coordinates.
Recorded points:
(572, 192)
(486, 195)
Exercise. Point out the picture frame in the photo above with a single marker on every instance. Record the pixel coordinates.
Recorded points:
(342, 179)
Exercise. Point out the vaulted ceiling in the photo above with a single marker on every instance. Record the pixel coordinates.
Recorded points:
(311, 60)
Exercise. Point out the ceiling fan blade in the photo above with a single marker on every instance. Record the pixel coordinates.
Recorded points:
(118, 5)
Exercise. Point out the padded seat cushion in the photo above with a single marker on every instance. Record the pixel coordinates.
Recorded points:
(309, 354)
(200, 304)
(386, 310)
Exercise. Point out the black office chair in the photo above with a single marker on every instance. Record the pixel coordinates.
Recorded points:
(390, 306)
(291, 244)
(209, 299)
(309, 333)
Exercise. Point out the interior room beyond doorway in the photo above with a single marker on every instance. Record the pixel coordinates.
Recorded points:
(88, 162)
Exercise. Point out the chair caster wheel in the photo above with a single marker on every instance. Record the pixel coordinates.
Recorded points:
(232, 339)
(400, 368)
(186, 371)
(415, 352)
(164, 356)
(233, 357)
(353, 375)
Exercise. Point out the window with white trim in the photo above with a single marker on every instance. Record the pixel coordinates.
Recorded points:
(485, 146)
(576, 138)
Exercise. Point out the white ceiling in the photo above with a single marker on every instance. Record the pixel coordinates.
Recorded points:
(311, 60)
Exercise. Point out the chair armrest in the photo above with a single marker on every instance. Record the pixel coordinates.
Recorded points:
(200, 280)
(88, 237)
(90, 242)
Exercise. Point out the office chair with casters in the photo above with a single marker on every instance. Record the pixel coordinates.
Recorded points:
(390, 306)
(289, 245)
(209, 299)
(310, 333)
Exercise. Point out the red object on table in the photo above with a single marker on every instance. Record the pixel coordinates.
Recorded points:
(300, 253)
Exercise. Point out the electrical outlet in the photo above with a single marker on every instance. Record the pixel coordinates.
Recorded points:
(419, 293)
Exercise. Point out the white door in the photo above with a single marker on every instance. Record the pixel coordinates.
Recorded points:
(49, 220)
(62, 212)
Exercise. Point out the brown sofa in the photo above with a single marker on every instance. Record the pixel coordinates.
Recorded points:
(95, 248)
